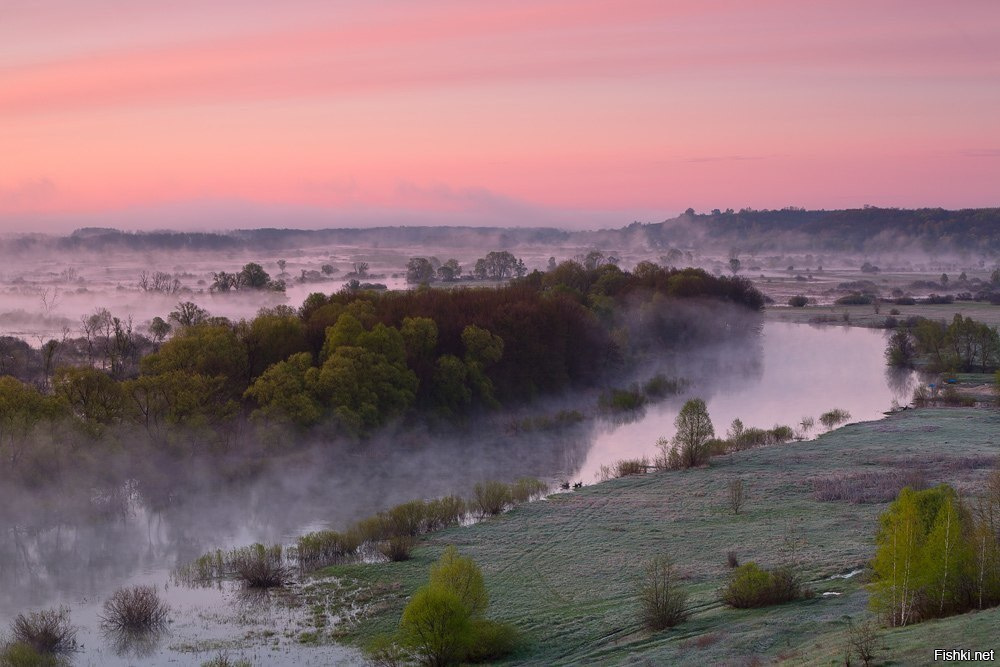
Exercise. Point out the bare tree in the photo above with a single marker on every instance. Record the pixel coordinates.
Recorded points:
(737, 495)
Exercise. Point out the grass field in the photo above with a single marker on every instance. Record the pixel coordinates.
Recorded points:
(565, 570)
(864, 316)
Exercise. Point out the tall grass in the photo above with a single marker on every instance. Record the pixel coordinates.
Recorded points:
(623, 468)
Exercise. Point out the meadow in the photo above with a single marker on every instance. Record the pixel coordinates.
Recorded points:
(565, 570)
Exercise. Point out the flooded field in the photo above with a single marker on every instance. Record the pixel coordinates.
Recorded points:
(791, 372)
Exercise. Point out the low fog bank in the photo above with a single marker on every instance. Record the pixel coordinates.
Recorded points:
(147, 511)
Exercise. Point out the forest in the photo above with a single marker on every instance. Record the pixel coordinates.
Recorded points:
(339, 368)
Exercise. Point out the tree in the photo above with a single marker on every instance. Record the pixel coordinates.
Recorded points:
(462, 576)
(419, 270)
(285, 392)
(361, 269)
(91, 395)
(327, 269)
(662, 602)
(281, 266)
(159, 329)
(437, 626)
(693, 431)
(499, 265)
(900, 352)
(22, 408)
(734, 265)
(188, 314)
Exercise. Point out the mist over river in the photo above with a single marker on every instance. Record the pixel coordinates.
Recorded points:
(49, 558)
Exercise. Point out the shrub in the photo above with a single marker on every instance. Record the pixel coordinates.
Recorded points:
(324, 547)
(397, 548)
(863, 640)
(798, 301)
(662, 602)
(134, 609)
(384, 651)
(47, 631)
(19, 654)
(406, 519)
(527, 488)
(491, 498)
(223, 660)
(444, 512)
(732, 560)
(737, 495)
(867, 487)
(834, 417)
(856, 299)
(660, 386)
(750, 586)
(491, 641)
(463, 577)
(622, 400)
(436, 625)
(258, 566)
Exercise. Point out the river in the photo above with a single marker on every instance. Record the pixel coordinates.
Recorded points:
(791, 372)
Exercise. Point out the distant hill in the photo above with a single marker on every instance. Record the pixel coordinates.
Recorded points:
(867, 230)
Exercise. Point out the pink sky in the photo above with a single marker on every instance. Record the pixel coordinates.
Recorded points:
(228, 113)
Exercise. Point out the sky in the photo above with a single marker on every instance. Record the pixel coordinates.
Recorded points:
(220, 114)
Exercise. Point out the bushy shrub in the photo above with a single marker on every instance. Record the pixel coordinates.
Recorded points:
(47, 631)
(491, 641)
(750, 586)
(622, 400)
(798, 301)
(660, 386)
(444, 512)
(397, 548)
(406, 519)
(491, 498)
(662, 602)
(856, 299)
(527, 488)
(324, 547)
(834, 417)
(19, 654)
(623, 468)
(134, 609)
(258, 566)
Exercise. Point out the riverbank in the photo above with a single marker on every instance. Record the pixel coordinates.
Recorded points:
(865, 316)
(564, 570)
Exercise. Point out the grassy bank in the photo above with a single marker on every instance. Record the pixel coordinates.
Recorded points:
(864, 316)
(564, 570)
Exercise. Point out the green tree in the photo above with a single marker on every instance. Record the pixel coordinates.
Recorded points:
(209, 350)
(22, 409)
(693, 431)
(460, 575)
(285, 392)
(437, 626)
(91, 395)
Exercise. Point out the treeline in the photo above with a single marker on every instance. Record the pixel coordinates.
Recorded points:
(867, 229)
(349, 362)
(99, 239)
(964, 345)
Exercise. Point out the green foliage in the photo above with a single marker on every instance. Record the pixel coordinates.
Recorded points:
(22, 410)
(750, 586)
(963, 345)
(934, 558)
(900, 351)
(20, 654)
(662, 602)
(491, 498)
(207, 350)
(286, 392)
(622, 400)
(491, 641)
(437, 626)
(460, 575)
